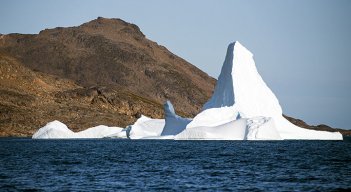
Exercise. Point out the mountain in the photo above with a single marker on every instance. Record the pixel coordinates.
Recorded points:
(102, 72)
(111, 74)
(113, 53)
(29, 99)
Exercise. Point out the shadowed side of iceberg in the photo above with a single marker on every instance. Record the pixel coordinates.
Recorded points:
(174, 123)
(223, 94)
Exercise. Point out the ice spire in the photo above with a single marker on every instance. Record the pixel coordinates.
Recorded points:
(240, 84)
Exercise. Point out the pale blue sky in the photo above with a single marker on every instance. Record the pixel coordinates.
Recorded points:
(302, 48)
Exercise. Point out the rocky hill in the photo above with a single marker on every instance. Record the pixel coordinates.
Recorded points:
(30, 99)
(111, 52)
(102, 72)
(321, 127)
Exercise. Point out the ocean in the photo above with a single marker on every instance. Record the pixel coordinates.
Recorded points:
(167, 165)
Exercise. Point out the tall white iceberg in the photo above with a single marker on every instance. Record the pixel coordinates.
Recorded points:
(240, 86)
(242, 107)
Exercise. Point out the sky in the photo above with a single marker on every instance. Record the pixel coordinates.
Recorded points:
(302, 48)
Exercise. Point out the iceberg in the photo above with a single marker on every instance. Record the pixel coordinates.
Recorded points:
(226, 123)
(54, 129)
(58, 130)
(259, 128)
(145, 127)
(242, 107)
(241, 93)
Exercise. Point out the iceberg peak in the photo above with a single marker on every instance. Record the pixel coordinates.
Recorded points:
(241, 85)
(239, 48)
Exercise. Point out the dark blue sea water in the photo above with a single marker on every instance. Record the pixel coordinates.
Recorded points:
(112, 165)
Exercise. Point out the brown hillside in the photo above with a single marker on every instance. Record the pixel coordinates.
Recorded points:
(111, 52)
(30, 99)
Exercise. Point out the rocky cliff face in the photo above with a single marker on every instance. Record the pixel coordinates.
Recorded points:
(102, 72)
